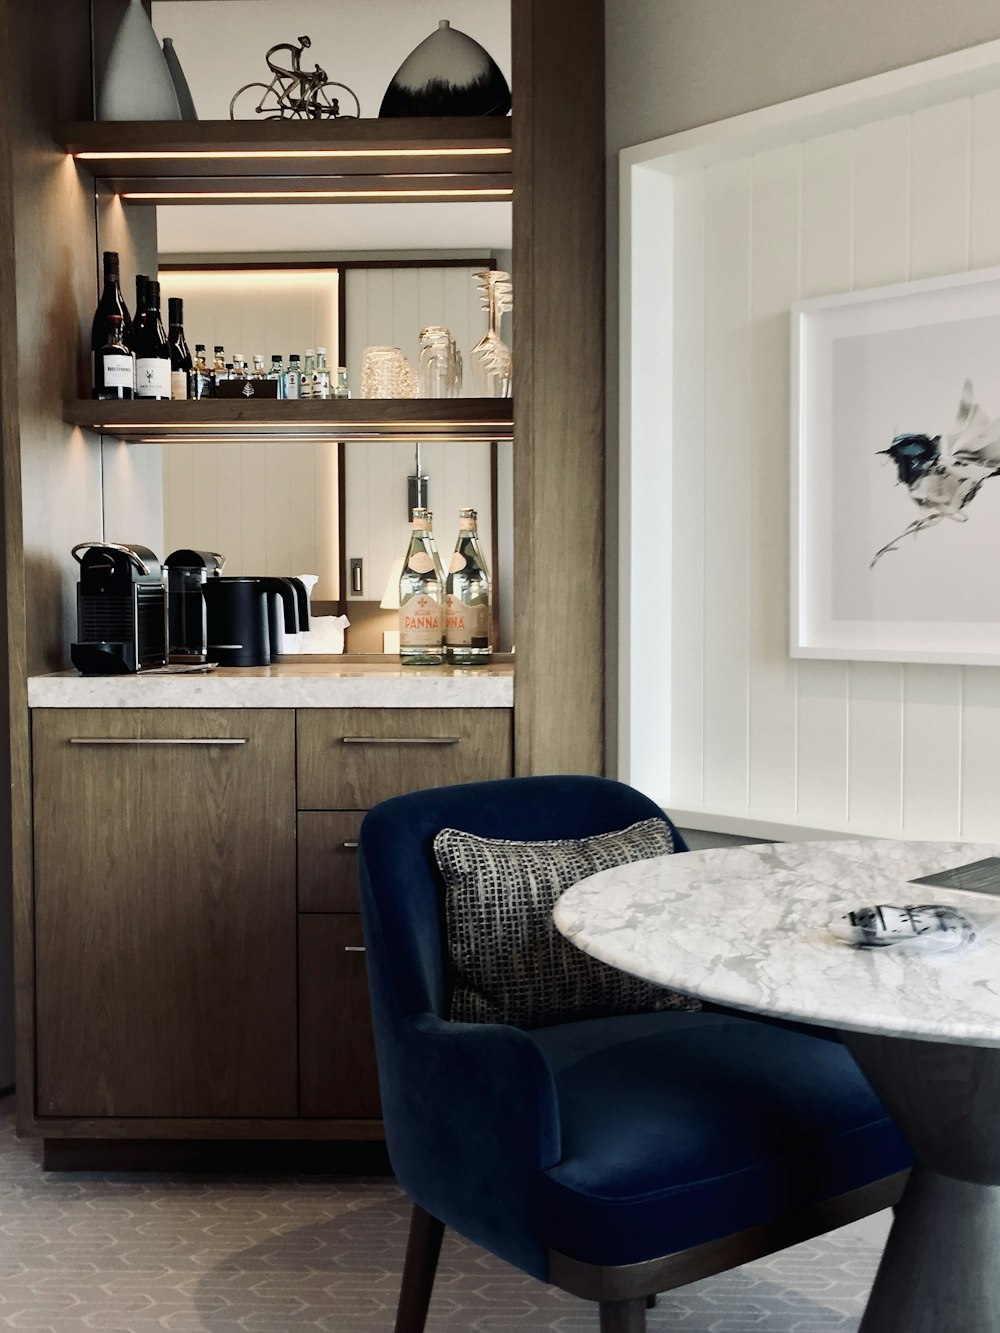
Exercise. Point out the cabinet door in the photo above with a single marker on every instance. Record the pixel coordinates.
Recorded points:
(350, 758)
(328, 860)
(336, 1050)
(165, 912)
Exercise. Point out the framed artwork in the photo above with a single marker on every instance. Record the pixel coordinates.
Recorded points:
(895, 473)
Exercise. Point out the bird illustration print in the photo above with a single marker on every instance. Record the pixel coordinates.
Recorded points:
(944, 473)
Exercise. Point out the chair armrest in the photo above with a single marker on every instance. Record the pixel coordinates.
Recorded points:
(471, 1118)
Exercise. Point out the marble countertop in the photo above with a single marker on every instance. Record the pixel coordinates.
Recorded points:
(746, 926)
(326, 684)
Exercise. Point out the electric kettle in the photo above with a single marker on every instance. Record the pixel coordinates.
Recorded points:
(239, 618)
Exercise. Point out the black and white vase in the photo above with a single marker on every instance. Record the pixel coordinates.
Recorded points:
(137, 83)
(184, 98)
(448, 74)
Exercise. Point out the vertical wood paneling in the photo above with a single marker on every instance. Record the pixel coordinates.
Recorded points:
(984, 184)
(774, 286)
(687, 524)
(728, 193)
(932, 750)
(882, 202)
(980, 747)
(881, 230)
(827, 266)
(939, 191)
(878, 747)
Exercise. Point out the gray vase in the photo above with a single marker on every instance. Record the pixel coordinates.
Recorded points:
(184, 98)
(137, 84)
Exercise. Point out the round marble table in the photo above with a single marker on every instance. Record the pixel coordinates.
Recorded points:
(747, 927)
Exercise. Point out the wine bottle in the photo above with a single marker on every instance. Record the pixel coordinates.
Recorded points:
(114, 364)
(111, 303)
(152, 352)
(181, 363)
(140, 304)
(468, 620)
(421, 597)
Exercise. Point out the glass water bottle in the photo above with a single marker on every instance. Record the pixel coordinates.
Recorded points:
(421, 597)
(468, 613)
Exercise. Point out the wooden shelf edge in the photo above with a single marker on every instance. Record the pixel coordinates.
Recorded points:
(220, 136)
(463, 157)
(352, 419)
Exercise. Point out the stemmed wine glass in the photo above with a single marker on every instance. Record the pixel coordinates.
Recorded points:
(492, 353)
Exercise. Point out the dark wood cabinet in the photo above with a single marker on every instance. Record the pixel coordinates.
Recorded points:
(165, 942)
(337, 1073)
(199, 958)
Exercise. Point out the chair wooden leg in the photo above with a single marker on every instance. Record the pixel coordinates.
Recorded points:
(624, 1316)
(423, 1246)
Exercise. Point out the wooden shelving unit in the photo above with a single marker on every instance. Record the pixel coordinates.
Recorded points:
(435, 159)
(424, 419)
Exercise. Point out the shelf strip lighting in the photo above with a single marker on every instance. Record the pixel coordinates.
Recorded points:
(342, 427)
(152, 196)
(213, 154)
(245, 436)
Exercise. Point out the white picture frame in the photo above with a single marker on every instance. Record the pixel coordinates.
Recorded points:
(895, 507)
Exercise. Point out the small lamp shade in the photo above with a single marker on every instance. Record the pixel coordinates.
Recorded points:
(390, 598)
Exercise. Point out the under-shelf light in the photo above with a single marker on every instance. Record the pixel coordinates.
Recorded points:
(227, 154)
(164, 196)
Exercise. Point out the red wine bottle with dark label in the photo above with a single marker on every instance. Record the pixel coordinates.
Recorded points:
(114, 364)
(152, 353)
(181, 362)
(111, 303)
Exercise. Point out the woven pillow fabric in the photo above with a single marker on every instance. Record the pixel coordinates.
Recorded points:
(509, 964)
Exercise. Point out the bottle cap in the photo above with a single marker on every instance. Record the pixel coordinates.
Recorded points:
(422, 518)
(176, 307)
(219, 347)
(294, 357)
(199, 347)
(321, 351)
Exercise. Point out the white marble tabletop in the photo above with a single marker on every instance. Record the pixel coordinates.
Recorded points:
(286, 684)
(746, 926)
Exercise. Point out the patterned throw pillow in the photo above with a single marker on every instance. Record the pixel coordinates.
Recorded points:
(509, 964)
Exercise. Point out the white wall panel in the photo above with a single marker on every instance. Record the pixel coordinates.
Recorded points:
(774, 282)
(727, 475)
(862, 747)
(687, 526)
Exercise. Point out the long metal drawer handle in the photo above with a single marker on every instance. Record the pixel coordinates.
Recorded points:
(402, 740)
(349, 844)
(354, 948)
(181, 740)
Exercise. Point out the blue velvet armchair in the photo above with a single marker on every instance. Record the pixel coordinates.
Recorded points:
(614, 1157)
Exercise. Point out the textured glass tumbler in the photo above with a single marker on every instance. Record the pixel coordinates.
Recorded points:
(386, 373)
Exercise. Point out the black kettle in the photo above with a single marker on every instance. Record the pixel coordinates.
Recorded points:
(239, 618)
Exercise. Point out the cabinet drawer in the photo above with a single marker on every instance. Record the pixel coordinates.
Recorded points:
(337, 1073)
(328, 860)
(351, 758)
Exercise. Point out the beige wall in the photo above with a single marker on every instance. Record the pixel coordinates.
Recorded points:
(673, 64)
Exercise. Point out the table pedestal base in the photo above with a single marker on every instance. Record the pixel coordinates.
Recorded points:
(940, 1272)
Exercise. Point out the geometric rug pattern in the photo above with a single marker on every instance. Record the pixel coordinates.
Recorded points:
(134, 1253)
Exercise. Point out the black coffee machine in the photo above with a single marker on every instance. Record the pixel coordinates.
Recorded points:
(121, 609)
(187, 621)
(243, 617)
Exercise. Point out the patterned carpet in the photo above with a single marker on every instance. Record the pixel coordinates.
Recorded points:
(133, 1253)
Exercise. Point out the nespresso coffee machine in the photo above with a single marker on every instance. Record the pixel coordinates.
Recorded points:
(121, 609)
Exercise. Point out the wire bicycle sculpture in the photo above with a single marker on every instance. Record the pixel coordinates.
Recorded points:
(293, 93)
